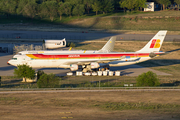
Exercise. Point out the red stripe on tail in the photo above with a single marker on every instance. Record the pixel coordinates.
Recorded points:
(153, 43)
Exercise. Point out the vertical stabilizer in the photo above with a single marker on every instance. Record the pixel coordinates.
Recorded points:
(155, 43)
(109, 46)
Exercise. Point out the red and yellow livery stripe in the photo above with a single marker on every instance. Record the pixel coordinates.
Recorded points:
(86, 56)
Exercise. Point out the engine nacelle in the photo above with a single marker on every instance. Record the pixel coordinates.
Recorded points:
(73, 67)
(152, 55)
(54, 44)
(94, 65)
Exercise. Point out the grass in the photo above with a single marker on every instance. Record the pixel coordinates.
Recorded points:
(91, 105)
(107, 106)
(130, 21)
(75, 82)
(93, 81)
(135, 106)
(131, 24)
(8, 98)
(110, 21)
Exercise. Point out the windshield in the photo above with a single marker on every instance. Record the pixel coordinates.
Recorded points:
(14, 58)
(19, 54)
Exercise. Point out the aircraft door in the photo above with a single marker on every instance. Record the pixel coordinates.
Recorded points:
(28, 60)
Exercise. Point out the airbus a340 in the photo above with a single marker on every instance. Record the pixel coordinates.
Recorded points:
(90, 59)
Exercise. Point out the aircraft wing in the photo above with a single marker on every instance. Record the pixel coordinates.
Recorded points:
(98, 61)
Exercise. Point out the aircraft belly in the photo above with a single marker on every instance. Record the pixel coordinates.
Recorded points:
(44, 63)
(122, 63)
(128, 61)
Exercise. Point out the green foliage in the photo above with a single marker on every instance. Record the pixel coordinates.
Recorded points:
(136, 18)
(67, 8)
(102, 84)
(74, 2)
(164, 2)
(8, 6)
(39, 74)
(107, 6)
(30, 9)
(27, 8)
(147, 79)
(88, 5)
(133, 4)
(48, 81)
(78, 9)
(177, 1)
(24, 71)
(129, 4)
(140, 105)
(140, 4)
(96, 6)
(49, 9)
(60, 9)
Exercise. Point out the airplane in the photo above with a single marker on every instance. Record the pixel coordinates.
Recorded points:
(92, 60)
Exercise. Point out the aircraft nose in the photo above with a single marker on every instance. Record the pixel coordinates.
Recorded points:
(8, 62)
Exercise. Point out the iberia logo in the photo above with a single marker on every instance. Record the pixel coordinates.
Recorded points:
(155, 43)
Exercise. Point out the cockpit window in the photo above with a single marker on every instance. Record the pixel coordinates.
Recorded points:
(19, 53)
(14, 58)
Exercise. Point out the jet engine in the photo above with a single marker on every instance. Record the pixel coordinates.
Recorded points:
(54, 44)
(152, 55)
(94, 65)
(73, 67)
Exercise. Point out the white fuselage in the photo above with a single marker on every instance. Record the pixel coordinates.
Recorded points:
(76, 57)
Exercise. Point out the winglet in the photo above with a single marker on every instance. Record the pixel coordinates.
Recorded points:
(109, 46)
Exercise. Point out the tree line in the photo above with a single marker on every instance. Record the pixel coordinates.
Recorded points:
(56, 8)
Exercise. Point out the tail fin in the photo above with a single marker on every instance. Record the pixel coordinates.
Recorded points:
(155, 43)
(109, 46)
